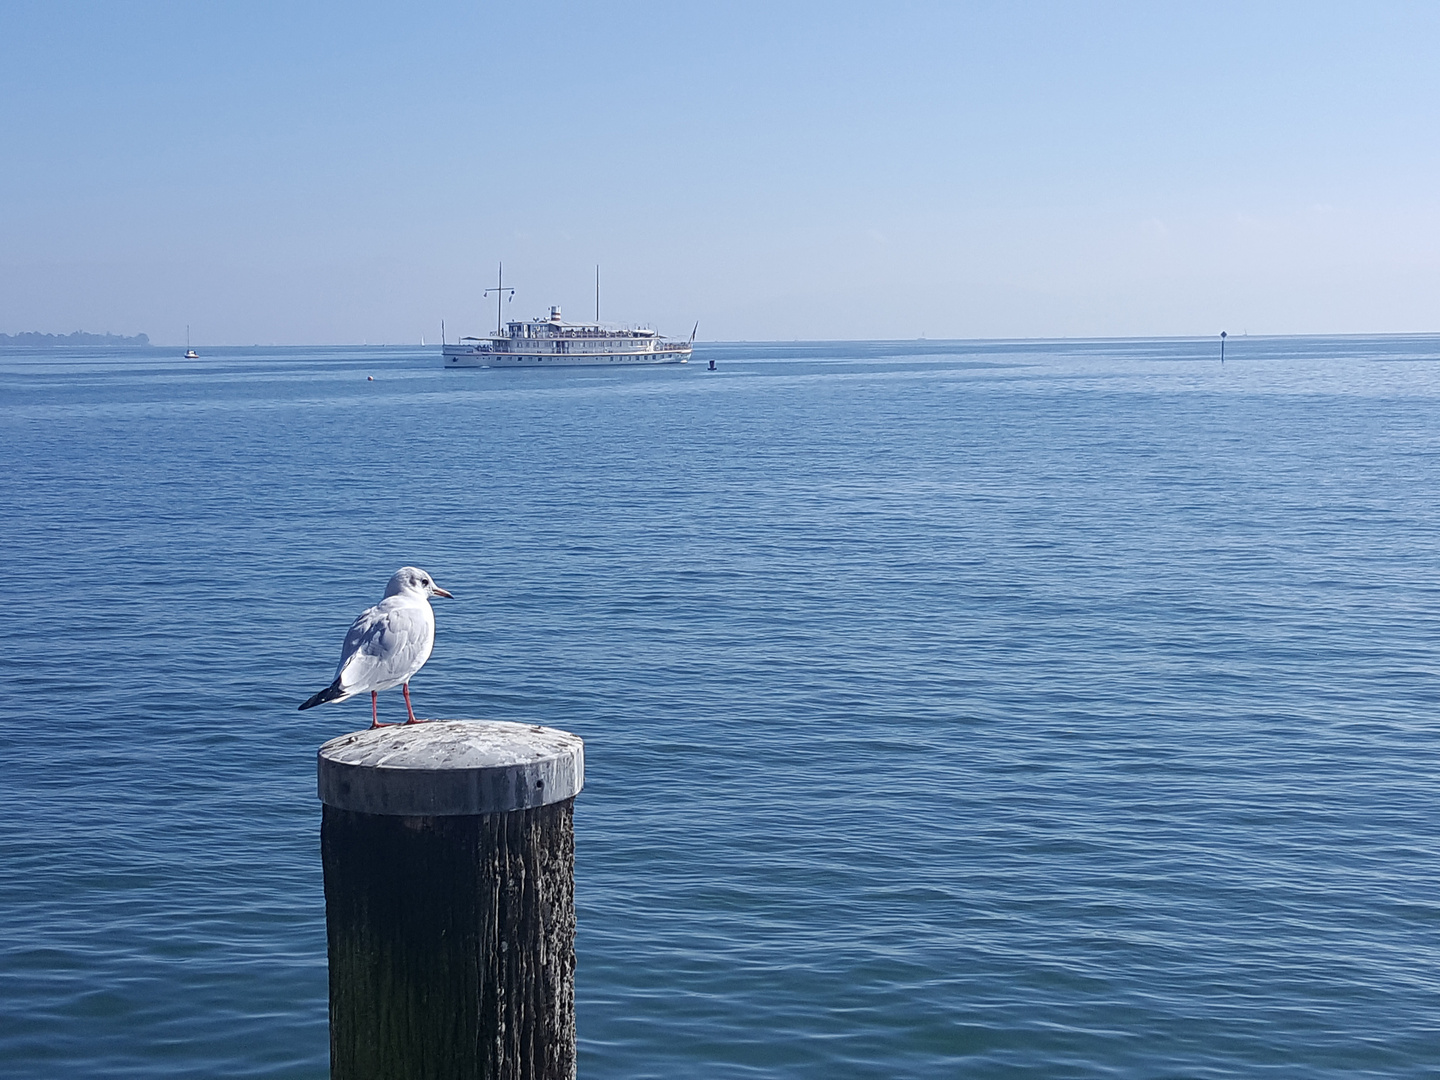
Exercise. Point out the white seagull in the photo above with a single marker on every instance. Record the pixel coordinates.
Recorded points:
(387, 644)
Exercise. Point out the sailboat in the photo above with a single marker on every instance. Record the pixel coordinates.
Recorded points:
(190, 354)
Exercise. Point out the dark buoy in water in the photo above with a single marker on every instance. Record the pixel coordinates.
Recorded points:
(1222, 346)
(369, 378)
(712, 365)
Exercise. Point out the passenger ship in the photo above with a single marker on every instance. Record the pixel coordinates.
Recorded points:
(553, 342)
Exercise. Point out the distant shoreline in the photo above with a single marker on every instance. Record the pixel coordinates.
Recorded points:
(34, 340)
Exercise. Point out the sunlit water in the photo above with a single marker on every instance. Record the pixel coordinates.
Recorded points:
(1052, 709)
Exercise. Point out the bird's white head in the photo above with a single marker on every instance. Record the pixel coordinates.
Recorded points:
(412, 581)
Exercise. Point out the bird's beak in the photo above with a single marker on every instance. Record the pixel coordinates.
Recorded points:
(443, 592)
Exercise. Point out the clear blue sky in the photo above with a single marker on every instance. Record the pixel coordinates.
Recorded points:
(344, 172)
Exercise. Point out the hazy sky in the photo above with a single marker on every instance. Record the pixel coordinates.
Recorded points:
(342, 172)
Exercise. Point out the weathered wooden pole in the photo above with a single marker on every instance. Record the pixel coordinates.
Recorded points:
(449, 854)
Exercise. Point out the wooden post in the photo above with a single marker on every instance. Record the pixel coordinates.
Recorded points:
(449, 855)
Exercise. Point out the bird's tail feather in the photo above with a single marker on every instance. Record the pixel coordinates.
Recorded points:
(330, 693)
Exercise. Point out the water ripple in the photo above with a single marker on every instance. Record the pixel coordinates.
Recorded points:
(1054, 709)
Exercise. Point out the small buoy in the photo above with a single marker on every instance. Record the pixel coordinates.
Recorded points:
(712, 365)
(369, 378)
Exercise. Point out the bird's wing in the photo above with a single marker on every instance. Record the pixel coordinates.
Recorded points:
(386, 645)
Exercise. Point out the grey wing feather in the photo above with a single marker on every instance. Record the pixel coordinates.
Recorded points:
(386, 645)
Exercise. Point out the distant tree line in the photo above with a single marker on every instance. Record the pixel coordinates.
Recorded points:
(51, 341)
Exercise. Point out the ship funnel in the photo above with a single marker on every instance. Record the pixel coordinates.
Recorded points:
(554, 314)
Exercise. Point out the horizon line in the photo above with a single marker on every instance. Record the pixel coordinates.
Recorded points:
(162, 347)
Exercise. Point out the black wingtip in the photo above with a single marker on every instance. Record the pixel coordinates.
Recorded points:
(330, 693)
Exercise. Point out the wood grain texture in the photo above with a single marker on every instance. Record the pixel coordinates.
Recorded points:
(444, 767)
(452, 945)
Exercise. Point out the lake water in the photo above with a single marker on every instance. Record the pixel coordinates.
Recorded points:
(951, 709)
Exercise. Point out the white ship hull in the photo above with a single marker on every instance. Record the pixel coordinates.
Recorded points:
(466, 356)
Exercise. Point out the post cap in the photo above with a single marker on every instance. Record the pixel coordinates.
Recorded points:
(444, 768)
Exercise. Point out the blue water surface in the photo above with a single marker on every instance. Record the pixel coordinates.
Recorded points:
(951, 709)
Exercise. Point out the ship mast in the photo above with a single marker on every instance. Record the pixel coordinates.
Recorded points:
(597, 294)
(499, 290)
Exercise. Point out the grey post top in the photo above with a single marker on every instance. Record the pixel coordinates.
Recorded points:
(443, 768)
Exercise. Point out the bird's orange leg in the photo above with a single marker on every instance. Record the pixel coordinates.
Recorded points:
(375, 710)
(405, 689)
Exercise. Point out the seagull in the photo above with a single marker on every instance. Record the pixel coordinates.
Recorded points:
(387, 644)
